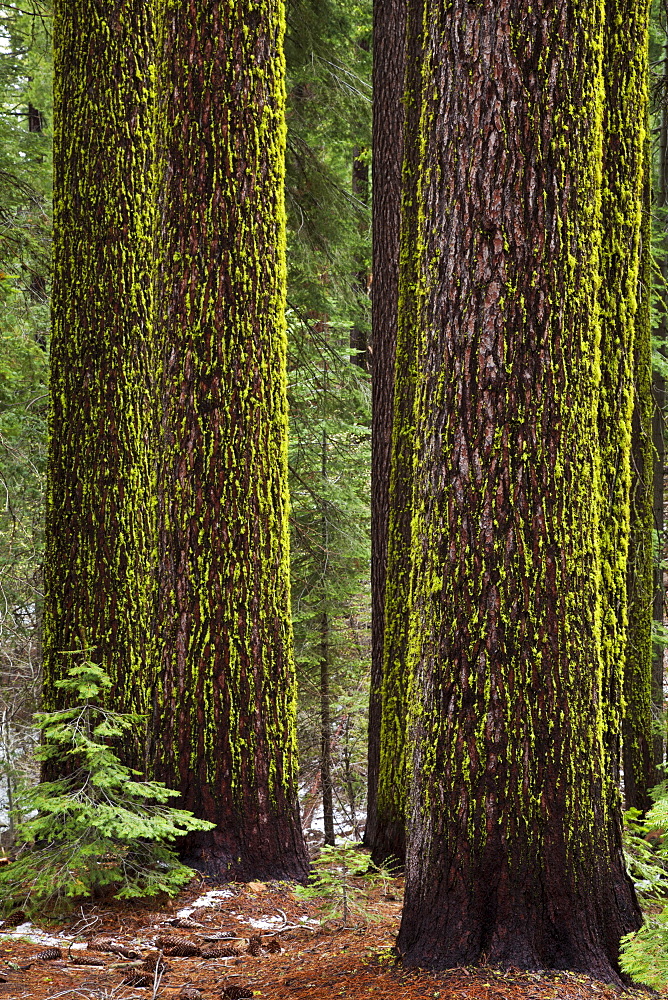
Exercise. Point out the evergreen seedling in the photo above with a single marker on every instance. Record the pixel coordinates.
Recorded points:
(98, 829)
(334, 878)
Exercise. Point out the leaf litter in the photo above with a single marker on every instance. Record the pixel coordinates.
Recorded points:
(275, 948)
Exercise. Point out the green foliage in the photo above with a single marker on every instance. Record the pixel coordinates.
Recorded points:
(98, 829)
(644, 954)
(335, 877)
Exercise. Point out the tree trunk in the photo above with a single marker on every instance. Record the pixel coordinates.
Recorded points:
(360, 189)
(100, 523)
(326, 733)
(388, 90)
(225, 706)
(515, 852)
(624, 130)
(658, 440)
(638, 756)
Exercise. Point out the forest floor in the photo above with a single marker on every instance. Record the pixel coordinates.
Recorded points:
(292, 956)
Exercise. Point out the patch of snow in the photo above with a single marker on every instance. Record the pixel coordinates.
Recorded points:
(208, 900)
(265, 923)
(29, 932)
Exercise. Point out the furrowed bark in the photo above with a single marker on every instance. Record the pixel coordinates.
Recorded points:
(388, 90)
(514, 852)
(226, 704)
(100, 524)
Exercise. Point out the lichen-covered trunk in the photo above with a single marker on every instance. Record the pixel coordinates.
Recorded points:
(624, 175)
(225, 726)
(388, 113)
(637, 740)
(514, 851)
(100, 523)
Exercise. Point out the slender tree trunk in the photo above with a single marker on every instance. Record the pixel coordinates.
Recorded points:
(326, 733)
(360, 188)
(225, 707)
(388, 90)
(638, 756)
(514, 852)
(100, 524)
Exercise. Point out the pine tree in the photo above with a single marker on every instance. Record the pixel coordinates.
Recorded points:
(100, 522)
(384, 832)
(224, 733)
(515, 845)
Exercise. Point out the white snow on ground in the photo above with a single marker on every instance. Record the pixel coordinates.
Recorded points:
(28, 932)
(209, 899)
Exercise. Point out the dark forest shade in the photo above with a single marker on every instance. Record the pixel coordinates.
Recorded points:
(225, 734)
(514, 850)
(100, 527)
(384, 834)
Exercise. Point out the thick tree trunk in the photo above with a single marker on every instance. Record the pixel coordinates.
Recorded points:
(514, 852)
(388, 113)
(638, 757)
(100, 525)
(225, 707)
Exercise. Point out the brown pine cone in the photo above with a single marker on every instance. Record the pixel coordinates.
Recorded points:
(169, 941)
(275, 947)
(255, 946)
(220, 951)
(107, 944)
(138, 979)
(48, 955)
(184, 949)
(77, 958)
(190, 993)
(152, 960)
(14, 919)
(186, 922)
(237, 993)
(102, 942)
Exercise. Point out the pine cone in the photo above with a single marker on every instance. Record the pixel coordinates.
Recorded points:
(220, 951)
(255, 946)
(48, 955)
(184, 949)
(138, 979)
(77, 958)
(14, 919)
(101, 943)
(169, 941)
(190, 993)
(107, 944)
(152, 960)
(237, 993)
(275, 947)
(186, 922)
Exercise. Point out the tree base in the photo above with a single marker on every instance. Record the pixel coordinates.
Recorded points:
(272, 860)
